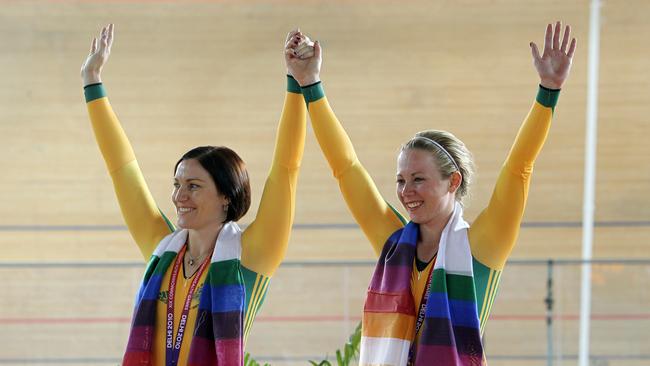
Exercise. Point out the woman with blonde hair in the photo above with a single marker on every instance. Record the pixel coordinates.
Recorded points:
(436, 279)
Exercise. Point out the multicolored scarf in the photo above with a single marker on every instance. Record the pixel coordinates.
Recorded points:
(218, 334)
(450, 334)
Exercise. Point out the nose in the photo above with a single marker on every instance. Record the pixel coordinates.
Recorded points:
(406, 189)
(180, 194)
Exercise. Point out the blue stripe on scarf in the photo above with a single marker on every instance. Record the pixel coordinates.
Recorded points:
(463, 313)
(152, 287)
(409, 234)
(227, 298)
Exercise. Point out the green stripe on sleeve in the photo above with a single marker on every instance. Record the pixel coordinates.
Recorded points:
(169, 223)
(313, 92)
(481, 283)
(398, 214)
(255, 296)
(94, 91)
(249, 283)
(548, 97)
(292, 85)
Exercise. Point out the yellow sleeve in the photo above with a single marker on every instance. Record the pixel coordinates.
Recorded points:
(377, 218)
(494, 232)
(265, 240)
(143, 218)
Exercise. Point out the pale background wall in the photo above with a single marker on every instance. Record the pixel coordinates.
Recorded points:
(184, 74)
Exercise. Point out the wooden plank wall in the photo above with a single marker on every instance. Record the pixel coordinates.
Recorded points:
(184, 74)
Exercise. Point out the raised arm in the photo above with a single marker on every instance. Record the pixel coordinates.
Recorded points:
(265, 240)
(494, 232)
(375, 216)
(145, 222)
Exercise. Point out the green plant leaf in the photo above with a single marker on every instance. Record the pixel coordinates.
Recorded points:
(339, 359)
(350, 350)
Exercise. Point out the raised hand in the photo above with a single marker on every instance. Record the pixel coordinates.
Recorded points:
(303, 61)
(554, 65)
(99, 51)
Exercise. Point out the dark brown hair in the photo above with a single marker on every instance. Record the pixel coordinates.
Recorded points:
(228, 171)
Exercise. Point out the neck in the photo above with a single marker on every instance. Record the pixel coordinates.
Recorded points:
(202, 241)
(430, 234)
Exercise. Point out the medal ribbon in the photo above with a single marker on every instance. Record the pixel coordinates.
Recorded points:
(421, 313)
(173, 345)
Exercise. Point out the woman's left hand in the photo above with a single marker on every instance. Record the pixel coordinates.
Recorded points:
(554, 65)
(303, 61)
(91, 70)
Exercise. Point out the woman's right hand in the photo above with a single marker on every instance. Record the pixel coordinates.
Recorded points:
(306, 71)
(99, 51)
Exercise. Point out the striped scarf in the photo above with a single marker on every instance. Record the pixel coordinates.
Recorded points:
(217, 338)
(450, 333)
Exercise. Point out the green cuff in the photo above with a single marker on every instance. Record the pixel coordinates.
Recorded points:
(548, 97)
(94, 91)
(313, 92)
(292, 85)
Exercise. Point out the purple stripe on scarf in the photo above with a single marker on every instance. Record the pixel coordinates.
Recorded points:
(145, 314)
(438, 331)
(463, 313)
(202, 352)
(444, 356)
(228, 325)
(391, 278)
(397, 254)
(138, 338)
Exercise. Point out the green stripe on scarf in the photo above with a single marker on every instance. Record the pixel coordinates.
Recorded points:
(457, 287)
(225, 273)
(164, 262)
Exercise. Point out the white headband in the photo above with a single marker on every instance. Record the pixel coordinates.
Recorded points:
(441, 149)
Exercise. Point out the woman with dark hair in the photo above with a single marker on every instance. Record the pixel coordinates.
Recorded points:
(206, 280)
(437, 276)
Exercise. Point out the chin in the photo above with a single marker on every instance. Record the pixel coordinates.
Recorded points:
(182, 224)
(414, 218)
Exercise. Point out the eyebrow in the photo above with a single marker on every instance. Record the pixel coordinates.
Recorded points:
(189, 179)
(412, 174)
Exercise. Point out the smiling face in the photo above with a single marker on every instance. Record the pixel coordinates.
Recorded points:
(426, 195)
(198, 202)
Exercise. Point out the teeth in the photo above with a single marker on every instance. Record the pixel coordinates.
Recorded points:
(184, 209)
(413, 204)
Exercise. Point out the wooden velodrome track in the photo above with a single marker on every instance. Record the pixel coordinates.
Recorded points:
(184, 74)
